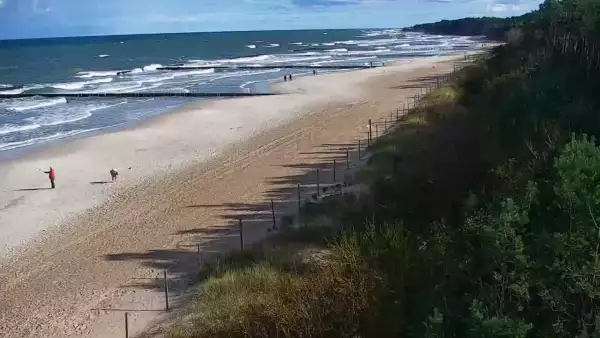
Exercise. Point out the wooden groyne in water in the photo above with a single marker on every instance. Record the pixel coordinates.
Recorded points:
(131, 95)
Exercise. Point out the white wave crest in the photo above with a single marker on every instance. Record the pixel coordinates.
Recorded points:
(80, 85)
(151, 68)
(195, 72)
(23, 105)
(251, 46)
(11, 128)
(103, 56)
(91, 74)
(146, 69)
(75, 113)
(37, 140)
(272, 45)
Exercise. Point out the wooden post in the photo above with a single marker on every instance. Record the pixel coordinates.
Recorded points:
(299, 202)
(397, 114)
(318, 183)
(199, 257)
(126, 325)
(370, 133)
(334, 171)
(391, 117)
(241, 234)
(273, 214)
(359, 150)
(347, 159)
(166, 291)
(376, 130)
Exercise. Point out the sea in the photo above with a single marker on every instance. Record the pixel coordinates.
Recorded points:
(132, 64)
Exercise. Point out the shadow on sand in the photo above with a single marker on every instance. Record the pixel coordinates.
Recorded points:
(33, 189)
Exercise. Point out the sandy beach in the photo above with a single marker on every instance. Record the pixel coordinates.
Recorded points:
(76, 257)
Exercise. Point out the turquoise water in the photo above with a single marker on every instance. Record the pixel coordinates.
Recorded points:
(92, 64)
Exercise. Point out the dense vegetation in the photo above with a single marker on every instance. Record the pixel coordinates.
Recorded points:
(494, 28)
(483, 217)
(491, 27)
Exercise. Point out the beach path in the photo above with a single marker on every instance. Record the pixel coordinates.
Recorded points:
(195, 179)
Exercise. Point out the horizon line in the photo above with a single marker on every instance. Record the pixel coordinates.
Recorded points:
(197, 32)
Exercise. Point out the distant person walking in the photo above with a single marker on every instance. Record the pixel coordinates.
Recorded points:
(285, 78)
(290, 77)
(51, 176)
(314, 72)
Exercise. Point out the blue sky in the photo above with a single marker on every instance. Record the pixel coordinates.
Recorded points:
(44, 18)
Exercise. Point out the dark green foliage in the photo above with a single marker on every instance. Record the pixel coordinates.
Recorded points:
(491, 27)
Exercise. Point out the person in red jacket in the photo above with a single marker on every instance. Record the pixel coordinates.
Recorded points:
(51, 176)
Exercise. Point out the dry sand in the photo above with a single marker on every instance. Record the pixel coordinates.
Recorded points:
(75, 258)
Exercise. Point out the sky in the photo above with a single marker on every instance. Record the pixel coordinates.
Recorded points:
(52, 18)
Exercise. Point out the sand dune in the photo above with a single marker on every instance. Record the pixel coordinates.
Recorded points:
(73, 253)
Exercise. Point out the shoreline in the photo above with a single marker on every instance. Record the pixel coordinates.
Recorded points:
(32, 159)
(242, 140)
(58, 149)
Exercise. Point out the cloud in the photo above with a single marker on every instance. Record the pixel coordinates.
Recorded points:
(502, 8)
(2, 3)
(336, 3)
(39, 8)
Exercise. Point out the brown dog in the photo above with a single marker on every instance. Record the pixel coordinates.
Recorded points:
(114, 174)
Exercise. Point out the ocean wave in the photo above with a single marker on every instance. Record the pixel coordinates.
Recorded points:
(344, 60)
(246, 73)
(118, 87)
(328, 44)
(337, 50)
(195, 72)
(103, 56)
(42, 139)
(272, 45)
(28, 104)
(247, 59)
(381, 32)
(73, 114)
(361, 52)
(149, 68)
(91, 74)
(11, 128)
(296, 43)
(12, 91)
(251, 46)
(80, 85)
(153, 67)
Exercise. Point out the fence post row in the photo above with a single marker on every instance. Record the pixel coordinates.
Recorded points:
(405, 111)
